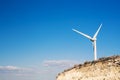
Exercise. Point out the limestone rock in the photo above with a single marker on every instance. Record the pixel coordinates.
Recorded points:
(102, 69)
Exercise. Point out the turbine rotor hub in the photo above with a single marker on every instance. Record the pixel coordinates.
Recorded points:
(93, 39)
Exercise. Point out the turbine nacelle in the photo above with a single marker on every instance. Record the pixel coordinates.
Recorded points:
(93, 39)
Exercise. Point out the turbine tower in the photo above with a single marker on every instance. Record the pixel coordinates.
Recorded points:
(92, 39)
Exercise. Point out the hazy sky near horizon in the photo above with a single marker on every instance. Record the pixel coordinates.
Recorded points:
(37, 41)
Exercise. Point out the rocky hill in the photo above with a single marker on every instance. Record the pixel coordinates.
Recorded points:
(107, 68)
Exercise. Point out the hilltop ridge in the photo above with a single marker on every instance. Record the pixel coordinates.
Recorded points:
(106, 68)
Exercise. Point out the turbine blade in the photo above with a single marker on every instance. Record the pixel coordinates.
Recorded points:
(97, 31)
(82, 34)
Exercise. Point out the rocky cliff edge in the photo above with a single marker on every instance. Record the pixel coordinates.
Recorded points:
(107, 68)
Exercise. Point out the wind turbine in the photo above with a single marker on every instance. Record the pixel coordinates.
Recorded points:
(92, 39)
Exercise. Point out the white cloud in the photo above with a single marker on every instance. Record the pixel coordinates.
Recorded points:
(59, 63)
(19, 73)
(13, 70)
(48, 69)
(9, 68)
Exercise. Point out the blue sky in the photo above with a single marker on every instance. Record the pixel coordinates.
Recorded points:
(36, 35)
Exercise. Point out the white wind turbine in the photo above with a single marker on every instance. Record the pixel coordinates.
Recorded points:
(92, 39)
